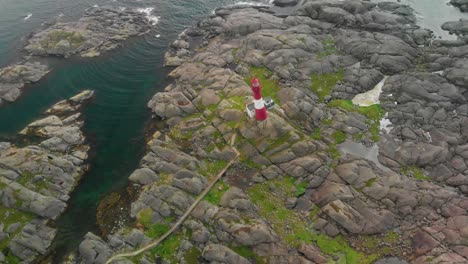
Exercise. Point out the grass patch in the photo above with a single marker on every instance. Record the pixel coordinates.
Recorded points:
(191, 256)
(317, 134)
(292, 229)
(214, 196)
(74, 38)
(12, 259)
(322, 84)
(415, 172)
(144, 216)
(333, 151)
(167, 249)
(156, 230)
(211, 168)
(9, 216)
(278, 142)
(248, 253)
(373, 113)
(339, 136)
(300, 189)
(329, 46)
(270, 88)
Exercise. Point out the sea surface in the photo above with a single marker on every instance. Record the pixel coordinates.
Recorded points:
(124, 81)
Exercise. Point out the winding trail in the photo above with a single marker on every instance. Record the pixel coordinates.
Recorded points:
(187, 213)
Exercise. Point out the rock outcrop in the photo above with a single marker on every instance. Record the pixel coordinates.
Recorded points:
(36, 179)
(100, 29)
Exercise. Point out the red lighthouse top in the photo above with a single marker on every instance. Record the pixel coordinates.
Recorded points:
(256, 89)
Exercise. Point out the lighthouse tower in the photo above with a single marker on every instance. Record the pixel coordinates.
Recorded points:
(260, 109)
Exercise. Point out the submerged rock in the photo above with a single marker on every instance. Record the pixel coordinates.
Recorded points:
(13, 79)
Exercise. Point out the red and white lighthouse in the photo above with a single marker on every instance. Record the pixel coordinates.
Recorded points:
(260, 109)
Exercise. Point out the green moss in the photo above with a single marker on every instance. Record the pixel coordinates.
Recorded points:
(144, 216)
(317, 134)
(248, 253)
(238, 102)
(415, 172)
(211, 167)
(373, 243)
(192, 255)
(215, 194)
(278, 142)
(329, 46)
(327, 121)
(12, 259)
(74, 38)
(333, 151)
(392, 238)
(156, 230)
(370, 182)
(359, 136)
(9, 216)
(167, 249)
(300, 189)
(373, 113)
(339, 136)
(251, 164)
(322, 84)
(270, 88)
(26, 177)
(292, 229)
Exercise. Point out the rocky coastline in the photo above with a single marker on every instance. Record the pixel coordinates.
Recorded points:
(38, 172)
(294, 196)
(99, 30)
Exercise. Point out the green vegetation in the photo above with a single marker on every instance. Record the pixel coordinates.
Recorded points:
(339, 136)
(327, 121)
(156, 230)
(334, 152)
(370, 182)
(191, 256)
(373, 243)
(292, 229)
(416, 172)
(214, 196)
(74, 38)
(278, 142)
(270, 88)
(373, 113)
(211, 167)
(329, 46)
(317, 134)
(167, 248)
(248, 253)
(300, 189)
(9, 216)
(153, 230)
(322, 84)
(144, 216)
(11, 259)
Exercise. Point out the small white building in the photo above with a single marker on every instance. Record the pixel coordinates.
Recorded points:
(250, 108)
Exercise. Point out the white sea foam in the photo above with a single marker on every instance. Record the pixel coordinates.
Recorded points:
(158, 36)
(148, 11)
(27, 17)
(95, 6)
(370, 97)
(121, 8)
